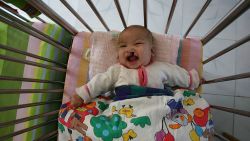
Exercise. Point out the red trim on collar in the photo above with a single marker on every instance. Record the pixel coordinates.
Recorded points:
(190, 80)
(142, 75)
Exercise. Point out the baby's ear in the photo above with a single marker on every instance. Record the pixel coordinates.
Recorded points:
(153, 51)
(117, 57)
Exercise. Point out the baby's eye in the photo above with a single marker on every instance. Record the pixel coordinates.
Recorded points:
(121, 46)
(138, 43)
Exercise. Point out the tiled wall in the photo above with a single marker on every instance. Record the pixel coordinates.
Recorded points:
(233, 94)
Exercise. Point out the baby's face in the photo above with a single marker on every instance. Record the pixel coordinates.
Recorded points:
(134, 48)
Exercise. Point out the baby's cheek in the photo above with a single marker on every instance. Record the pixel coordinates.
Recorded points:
(122, 62)
(122, 59)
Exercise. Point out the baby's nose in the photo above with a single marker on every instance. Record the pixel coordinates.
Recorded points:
(131, 53)
(131, 49)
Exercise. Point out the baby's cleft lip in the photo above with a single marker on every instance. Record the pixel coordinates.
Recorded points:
(132, 57)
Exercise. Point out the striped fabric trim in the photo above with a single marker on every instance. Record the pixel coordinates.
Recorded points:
(44, 49)
(77, 67)
(16, 39)
(178, 61)
(3, 40)
(29, 73)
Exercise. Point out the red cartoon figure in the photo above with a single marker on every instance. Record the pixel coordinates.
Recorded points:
(68, 114)
(201, 116)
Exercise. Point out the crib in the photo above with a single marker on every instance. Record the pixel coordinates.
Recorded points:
(38, 62)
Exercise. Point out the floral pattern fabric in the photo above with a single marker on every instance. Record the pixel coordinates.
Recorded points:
(184, 116)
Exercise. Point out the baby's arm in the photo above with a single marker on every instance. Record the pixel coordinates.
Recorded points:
(100, 83)
(178, 76)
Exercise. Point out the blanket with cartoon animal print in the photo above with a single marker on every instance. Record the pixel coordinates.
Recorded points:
(183, 116)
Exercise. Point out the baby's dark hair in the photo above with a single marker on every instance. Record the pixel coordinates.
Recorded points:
(148, 32)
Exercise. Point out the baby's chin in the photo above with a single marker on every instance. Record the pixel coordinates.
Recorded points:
(132, 65)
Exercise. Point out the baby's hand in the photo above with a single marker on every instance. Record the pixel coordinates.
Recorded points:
(76, 101)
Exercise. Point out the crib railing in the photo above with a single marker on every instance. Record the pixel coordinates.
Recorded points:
(233, 14)
(22, 24)
(9, 19)
(41, 6)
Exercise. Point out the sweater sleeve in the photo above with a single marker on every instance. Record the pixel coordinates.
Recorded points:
(176, 75)
(100, 83)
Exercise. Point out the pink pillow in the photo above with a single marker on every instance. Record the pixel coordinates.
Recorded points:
(166, 47)
(103, 52)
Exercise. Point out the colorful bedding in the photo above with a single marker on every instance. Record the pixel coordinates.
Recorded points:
(184, 116)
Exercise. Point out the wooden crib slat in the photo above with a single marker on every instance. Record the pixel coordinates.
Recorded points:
(26, 25)
(170, 15)
(41, 20)
(27, 129)
(118, 7)
(11, 78)
(3, 124)
(92, 6)
(28, 31)
(31, 55)
(229, 136)
(231, 110)
(14, 91)
(219, 136)
(228, 78)
(145, 3)
(6, 108)
(65, 3)
(11, 10)
(233, 14)
(42, 7)
(231, 47)
(4, 57)
(47, 136)
(204, 7)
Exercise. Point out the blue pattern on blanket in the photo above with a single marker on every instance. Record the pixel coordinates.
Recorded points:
(133, 91)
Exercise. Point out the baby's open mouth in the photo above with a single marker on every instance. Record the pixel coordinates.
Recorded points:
(132, 57)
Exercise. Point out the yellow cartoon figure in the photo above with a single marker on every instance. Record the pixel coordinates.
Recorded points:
(127, 111)
(129, 135)
(113, 109)
(188, 102)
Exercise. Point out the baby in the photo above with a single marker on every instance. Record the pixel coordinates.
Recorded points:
(136, 67)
